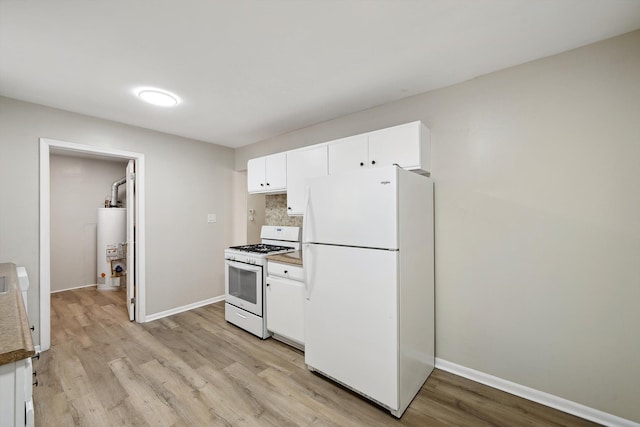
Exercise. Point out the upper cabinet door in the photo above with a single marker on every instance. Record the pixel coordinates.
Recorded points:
(301, 165)
(348, 153)
(256, 175)
(276, 172)
(396, 145)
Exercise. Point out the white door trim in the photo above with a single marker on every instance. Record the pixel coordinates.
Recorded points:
(45, 228)
(131, 229)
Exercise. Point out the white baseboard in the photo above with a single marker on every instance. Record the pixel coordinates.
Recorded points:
(77, 287)
(538, 396)
(160, 315)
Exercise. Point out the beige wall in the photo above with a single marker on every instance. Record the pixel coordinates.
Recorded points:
(185, 180)
(79, 187)
(257, 203)
(537, 211)
(239, 208)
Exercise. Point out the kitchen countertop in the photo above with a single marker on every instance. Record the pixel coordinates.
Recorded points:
(15, 337)
(288, 258)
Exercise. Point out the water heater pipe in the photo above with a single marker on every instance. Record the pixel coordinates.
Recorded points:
(114, 192)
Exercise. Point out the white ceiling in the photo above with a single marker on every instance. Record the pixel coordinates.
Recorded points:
(247, 70)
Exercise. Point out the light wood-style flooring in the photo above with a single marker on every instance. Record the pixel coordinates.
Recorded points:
(195, 369)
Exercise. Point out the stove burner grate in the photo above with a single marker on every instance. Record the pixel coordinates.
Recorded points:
(260, 248)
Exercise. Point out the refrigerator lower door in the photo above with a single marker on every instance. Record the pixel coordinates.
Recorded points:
(351, 332)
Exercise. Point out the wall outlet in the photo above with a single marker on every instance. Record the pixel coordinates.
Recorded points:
(211, 218)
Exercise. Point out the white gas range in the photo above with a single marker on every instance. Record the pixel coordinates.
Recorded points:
(245, 275)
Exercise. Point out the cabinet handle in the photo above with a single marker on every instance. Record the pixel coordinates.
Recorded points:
(33, 328)
(261, 185)
(289, 208)
(36, 383)
(361, 163)
(37, 356)
(35, 373)
(286, 272)
(267, 285)
(373, 162)
(268, 183)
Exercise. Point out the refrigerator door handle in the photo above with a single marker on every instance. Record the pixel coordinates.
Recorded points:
(308, 270)
(305, 215)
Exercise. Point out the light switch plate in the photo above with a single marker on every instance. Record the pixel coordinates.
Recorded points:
(212, 218)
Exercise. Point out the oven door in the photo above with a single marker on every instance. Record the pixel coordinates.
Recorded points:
(243, 286)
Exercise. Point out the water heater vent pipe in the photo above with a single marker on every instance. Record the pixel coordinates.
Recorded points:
(113, 203)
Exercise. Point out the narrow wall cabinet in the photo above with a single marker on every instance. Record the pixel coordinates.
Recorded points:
(301, 165)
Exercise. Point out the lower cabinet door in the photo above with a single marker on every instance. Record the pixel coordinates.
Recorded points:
(285, 308)
(14, 404)
(30, 417)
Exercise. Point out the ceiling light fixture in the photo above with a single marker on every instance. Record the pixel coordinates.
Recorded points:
(158, 97)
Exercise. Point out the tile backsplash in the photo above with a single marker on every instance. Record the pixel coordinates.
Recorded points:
(276, 211)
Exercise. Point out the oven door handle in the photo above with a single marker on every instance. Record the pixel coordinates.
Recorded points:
(243, 265)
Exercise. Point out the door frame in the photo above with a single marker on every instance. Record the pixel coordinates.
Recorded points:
(45, 227)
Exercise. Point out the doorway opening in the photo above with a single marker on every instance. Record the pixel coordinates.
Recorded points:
(135, 239)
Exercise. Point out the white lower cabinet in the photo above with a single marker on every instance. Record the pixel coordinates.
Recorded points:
(285, 303)
(16, 401)
(16, 380)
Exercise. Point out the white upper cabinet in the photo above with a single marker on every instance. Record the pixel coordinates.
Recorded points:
(348, 153)
(303, 164)
(406, 145)
(267, 174)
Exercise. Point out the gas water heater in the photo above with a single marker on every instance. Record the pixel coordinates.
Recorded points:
(111, 247)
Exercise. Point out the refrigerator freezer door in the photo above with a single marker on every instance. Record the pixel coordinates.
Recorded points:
(351, 323)
(356, 208)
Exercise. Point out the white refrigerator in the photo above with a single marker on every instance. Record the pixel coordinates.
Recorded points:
(368, 250)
